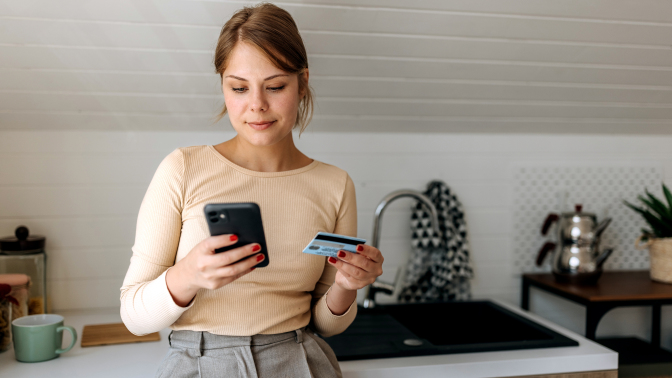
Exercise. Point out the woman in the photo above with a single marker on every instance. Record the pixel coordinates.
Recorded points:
(228, 319)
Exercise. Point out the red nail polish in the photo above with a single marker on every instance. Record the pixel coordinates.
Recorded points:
(332, 260)
(252, 269)
(260, 257)
(341, 254)
(256, 248)
(360, 248)
(233, 238)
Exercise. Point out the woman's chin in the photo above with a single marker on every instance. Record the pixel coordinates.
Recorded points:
(263, 140)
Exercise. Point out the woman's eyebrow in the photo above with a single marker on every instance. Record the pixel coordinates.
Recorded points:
(268, 78)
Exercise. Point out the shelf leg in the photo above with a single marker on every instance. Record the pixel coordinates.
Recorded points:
(525, 295)
(655, 325)
(594, 314)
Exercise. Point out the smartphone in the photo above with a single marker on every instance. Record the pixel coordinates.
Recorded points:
(242, 219)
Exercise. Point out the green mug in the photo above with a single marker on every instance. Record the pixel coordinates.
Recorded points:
(39, 337)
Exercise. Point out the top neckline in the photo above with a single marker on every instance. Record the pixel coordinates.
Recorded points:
(250, 172)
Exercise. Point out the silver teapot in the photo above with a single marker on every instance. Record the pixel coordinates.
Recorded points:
(576, 254)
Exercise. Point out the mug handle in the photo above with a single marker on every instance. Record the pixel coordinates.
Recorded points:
(73, 333)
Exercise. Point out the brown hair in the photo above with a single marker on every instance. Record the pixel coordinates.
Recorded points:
(272, 30)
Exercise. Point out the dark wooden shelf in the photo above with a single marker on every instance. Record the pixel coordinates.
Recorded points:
(612, 286)
(616, 289)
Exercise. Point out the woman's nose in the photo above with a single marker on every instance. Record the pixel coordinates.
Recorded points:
(258, 102)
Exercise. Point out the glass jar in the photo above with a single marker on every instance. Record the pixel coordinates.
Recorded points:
(24, 254)
(5, 324)
(20, 285)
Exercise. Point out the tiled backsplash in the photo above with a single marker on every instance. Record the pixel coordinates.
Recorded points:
(542, 189)
(83, 190)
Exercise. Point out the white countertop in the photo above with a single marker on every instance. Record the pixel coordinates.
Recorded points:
(142, 359)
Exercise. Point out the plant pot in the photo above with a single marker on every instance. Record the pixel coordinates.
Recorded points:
(660, 256)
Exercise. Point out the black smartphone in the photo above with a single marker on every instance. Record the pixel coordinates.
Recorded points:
(243, 220)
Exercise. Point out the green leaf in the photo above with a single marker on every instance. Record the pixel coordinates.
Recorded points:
(668, 195)
(660, 227)
(657, 207)
(660, 207)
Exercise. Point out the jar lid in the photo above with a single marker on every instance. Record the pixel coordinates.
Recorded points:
(15, 279)
(22, 242)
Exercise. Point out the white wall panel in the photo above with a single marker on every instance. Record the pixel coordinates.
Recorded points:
(331, 86)
(489, 70)
(71, 201)
(632, 11)
(409, 107)
(614, 56)
(88, 263)
(76, 232)
(435, 23)
(63, 57)
(88, 121)
(45, 170)
(398, 87)
(104, 121)
(83, 293)
(110, 81)
(204, 39)
(654, 11)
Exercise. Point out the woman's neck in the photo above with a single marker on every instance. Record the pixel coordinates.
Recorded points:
(282, 156)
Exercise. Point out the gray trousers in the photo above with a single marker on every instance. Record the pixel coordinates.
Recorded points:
(295, 354)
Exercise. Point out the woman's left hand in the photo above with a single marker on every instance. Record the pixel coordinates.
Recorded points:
(356, 270)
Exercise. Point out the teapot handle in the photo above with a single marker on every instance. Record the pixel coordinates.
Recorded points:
(550, 219)
(549, 246)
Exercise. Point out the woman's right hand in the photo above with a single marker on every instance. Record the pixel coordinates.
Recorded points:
(202, 268)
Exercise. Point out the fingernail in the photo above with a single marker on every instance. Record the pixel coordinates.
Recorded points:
(233, 238)
(332, 260)
(260, 257)
(360, 248)
(341, 254)
(256, 248)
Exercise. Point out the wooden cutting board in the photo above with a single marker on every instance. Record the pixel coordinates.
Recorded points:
(114, 333)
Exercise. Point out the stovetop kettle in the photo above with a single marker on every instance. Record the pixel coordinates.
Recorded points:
(576, 256)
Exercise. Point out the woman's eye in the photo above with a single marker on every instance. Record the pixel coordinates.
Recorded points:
(239, 90)
(275, 89)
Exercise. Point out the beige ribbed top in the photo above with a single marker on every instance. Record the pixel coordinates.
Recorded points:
(294, 204)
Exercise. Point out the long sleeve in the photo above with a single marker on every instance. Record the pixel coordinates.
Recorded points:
(286, 295)
(325, 322)
(146, 303)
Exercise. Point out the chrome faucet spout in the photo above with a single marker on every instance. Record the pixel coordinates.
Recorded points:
(371, 290)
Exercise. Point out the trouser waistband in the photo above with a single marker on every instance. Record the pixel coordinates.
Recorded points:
(204, 340)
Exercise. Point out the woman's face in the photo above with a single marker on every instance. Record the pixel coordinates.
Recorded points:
(262, 100)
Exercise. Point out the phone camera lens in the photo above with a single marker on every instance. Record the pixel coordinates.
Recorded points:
(214, 220)
(212, 213)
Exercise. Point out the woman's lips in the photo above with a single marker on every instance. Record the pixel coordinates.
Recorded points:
(261, 126)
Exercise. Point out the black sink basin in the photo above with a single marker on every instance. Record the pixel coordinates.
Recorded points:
(440, 328)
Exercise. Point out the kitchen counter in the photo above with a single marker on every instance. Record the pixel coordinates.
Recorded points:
(142, 359)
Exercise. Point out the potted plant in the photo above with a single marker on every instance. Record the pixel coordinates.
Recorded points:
(658, 237)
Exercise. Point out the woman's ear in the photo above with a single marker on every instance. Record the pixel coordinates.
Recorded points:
(304, 78)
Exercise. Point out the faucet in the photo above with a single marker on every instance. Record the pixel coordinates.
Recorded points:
(379, 286)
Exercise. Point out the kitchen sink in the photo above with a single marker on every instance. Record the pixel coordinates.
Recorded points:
(403, 330)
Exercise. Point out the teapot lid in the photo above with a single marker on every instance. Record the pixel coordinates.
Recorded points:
(578, 211)
(22, 242)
